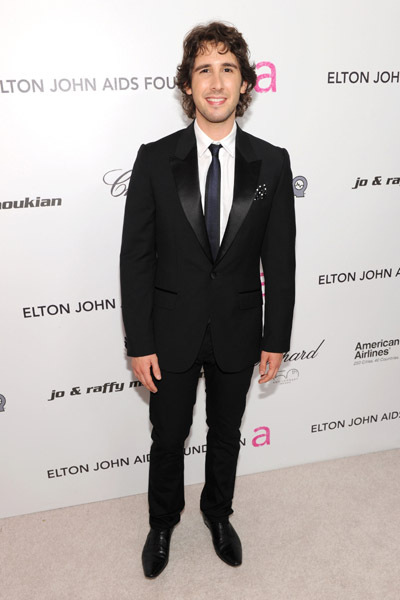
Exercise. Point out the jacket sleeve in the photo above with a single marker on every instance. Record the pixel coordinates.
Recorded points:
(138, 259)
(278, 260)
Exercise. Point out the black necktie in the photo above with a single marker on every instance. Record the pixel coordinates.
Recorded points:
(212, 208)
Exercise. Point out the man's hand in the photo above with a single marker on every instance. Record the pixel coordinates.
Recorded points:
(141, 366)
(273, 359)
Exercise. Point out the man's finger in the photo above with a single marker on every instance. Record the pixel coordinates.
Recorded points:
(265, 378)
(156, 368)
(263, 365)
(144, 376)
(268, 376)
(146, 380)
(141, 366)
(272, 371)
(273, 359)
(265, 375)
(149, 384)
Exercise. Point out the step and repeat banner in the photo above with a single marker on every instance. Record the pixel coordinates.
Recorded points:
(82, 86)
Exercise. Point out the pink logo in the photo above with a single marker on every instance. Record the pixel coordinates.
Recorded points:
(263, 438)
(269, 73)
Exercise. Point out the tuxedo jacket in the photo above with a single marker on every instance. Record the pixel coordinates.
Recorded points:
(171, 287)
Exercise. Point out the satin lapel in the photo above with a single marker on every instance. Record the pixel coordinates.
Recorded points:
(186, 174)
(246, 179)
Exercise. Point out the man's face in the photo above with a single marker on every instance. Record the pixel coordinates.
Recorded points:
(216, 85)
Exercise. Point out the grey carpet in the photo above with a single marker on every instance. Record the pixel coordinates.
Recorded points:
(323, 531)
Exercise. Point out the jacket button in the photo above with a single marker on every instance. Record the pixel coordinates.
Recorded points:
(213, 274)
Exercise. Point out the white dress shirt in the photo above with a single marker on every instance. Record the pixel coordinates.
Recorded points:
(227, 162)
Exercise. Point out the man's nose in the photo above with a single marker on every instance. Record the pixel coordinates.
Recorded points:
(216, 82)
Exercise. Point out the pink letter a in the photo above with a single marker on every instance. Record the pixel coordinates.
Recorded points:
(265, 436)
(271, 75)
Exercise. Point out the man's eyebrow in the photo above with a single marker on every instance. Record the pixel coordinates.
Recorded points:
(207, 65)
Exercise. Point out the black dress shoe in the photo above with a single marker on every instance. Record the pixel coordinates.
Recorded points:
(156, 551)
(226, 541)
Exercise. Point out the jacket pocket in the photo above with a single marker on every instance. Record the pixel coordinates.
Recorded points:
(164, 298)
(250, 299)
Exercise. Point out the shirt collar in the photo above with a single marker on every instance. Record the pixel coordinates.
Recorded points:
(203, 141)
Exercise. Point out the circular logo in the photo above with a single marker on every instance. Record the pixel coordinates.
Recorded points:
(300, 185)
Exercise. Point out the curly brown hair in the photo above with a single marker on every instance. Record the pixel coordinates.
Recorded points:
(196, 41)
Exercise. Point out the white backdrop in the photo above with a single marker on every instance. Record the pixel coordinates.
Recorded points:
(82, 85)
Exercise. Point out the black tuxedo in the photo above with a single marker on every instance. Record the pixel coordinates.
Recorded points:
(193, 312)
(170, 286)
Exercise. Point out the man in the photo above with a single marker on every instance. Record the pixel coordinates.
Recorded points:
(204, 205)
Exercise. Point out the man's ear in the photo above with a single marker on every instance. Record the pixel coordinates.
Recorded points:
(243, 87)
(188, 90)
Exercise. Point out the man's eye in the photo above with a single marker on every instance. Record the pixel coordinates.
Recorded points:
(204, 71)
(228, 70)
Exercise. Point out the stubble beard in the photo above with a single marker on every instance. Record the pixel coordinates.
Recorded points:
(216, 118)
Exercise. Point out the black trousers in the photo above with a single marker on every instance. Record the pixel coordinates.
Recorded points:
(171, 413)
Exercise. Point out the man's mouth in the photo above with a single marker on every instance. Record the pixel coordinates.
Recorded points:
(215, 101)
